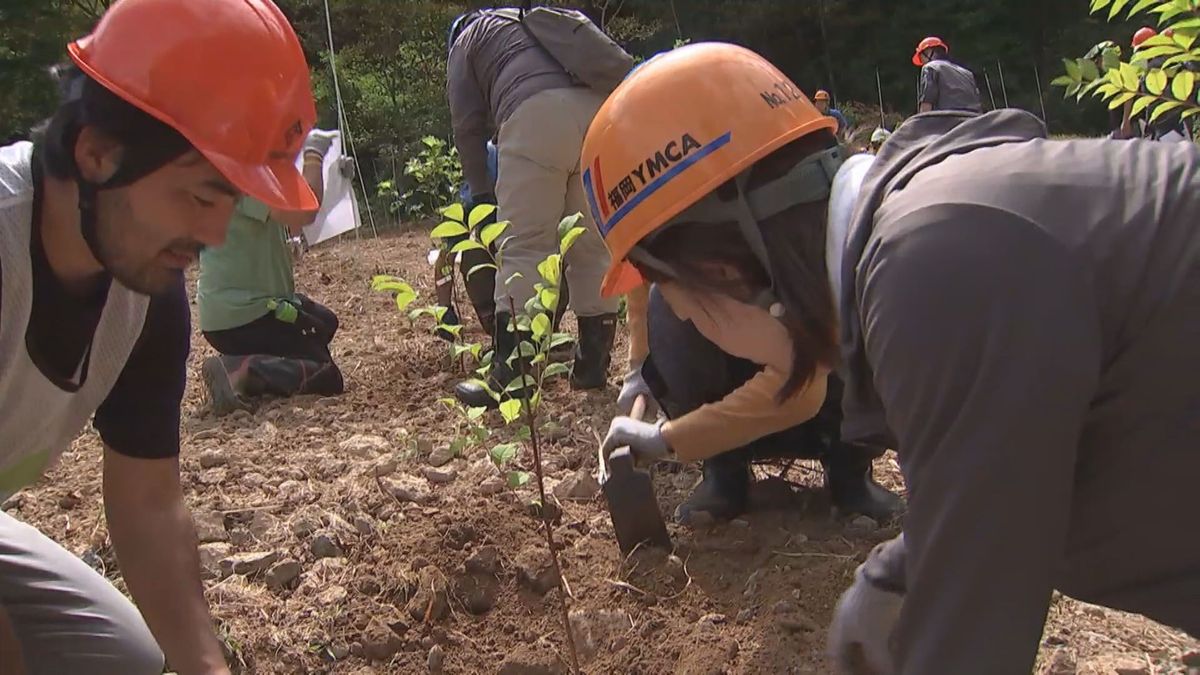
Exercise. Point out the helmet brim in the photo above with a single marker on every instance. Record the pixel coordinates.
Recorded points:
(278, 184)
(620, 279)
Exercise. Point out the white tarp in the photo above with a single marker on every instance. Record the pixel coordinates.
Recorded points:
(339, 209)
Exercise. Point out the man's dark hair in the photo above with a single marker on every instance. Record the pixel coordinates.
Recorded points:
(938, 53)
(148, 142)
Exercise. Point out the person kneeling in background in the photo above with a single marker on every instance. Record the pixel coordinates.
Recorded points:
(271, 339)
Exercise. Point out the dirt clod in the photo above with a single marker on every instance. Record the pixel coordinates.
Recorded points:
(408, 489)
(384, 465)
(437, 656)
(491, 486)
(1061, 662)
(211, 556)
(579, 487)
(261, 524)
(431, 602)
(439, 476)
(530, 660)
(459, 535)
(864, 524)
(210, 526)
(212, 458)
(332, 596)
(477, 592)
(282, 574)
(598, 630)
(1113, 664)
(364, 446)
(535, 570)
(324, 546)
(248, 563)
(441, 456)
(485, 560)
(363, 524)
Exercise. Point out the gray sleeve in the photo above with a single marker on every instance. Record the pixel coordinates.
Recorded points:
(985, 346)
(929, 85)
(469, 118)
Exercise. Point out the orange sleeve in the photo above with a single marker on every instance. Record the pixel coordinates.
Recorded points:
(637, 307)
(746, 414)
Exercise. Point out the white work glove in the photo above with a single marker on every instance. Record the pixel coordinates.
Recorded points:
(863, 621)
(645, 439)
(318, 142)
(346, 167)
(634, 386)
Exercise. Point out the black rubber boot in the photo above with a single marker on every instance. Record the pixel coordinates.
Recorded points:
(233, 381)
(472, 394)
(724, 491)
(450, 318)
(594, 351)
(481, 288)
(853, 490)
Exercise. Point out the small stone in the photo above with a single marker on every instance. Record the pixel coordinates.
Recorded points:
(211, 556)
(477, 592)
(261, 525)
(210, 526)
(440, 456)
(739, 524)
(864, 524)
(407, 488)
(491, 486)
(254, 480)
(332, 596)
(364, 446)
(292, 490)
(326, 402)
(435, 659)
(249, 563)
(797, 623)
(675, 567)
(213, 457)
(338, 651)
(745, 615)
(711, 619)
(785, 607)
(381, 645)
(439, 476)
(206, 434)
(432, 600)
(282, 574)
(304, 525)
(424, 447)
(485, 560)
(267, 432)
(555, 432)
(68, 501)
(459, 535)
(385, 465)
(363, 525)
(535, 570)
(579, 487)
(325, 547)
(598, 630)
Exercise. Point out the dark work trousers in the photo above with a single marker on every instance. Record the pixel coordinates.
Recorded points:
(685, 371)
(308, 337)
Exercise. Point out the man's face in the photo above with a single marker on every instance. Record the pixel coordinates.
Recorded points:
(822, 105)
(151, 230)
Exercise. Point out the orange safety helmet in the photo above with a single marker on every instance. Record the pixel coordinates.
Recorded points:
(653, 151)
(228, 75)
(926, 44)
(1144, 33)
(821, 95)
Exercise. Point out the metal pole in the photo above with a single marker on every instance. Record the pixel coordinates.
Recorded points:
(1041, 100)
(987, 78)
(879, 88)
(1003, 88)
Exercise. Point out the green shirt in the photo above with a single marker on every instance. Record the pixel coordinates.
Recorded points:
(240, 279)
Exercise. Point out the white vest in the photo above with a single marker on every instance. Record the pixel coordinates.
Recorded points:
(39, 420)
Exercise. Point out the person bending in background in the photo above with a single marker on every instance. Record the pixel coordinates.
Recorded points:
(722, 411)
(944, 85)
(271, 340)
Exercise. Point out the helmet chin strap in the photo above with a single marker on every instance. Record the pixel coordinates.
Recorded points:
(810, 180)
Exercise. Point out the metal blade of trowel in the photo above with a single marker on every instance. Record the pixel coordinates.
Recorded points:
(635, 515)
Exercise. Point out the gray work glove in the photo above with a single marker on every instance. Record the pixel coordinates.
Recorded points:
(645, 439)
(318, 142)
(863, 621)
(346, 167)
(634, 386)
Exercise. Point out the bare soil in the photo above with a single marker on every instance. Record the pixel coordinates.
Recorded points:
(384, 585)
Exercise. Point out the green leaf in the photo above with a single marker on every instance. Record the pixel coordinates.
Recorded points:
(1182, 84)
(1188, 113)
(1116, 8)
(1098, 5)
(522, 433)
(503, 454)
(1074, 72)
(510, 410)
(1156, 81)
(1088, 70)
(480, 213)
(1159, 51)
(1063, 81)
(551, 269)
(454, 212)
(1140, 104)
(517, 478)
(520, 383)
(475, 349)
(485, 386)
(561, 339)
(1129, 77)
(556, 369)
(1163, 108)
(405, 298)
(489, 233)
(457, 446)
(1141, 7)
(475, 413)
(455, 330)
(480, 266)
(511, 277)
(549, 298)
(458, 350)
(567, 224)
(431, 142)
(569, 240)
(467, 245)
(1121, 100)
(540, 325)
(448, 229)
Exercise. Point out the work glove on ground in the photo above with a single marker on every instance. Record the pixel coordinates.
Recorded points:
(645, 439)
(633, 386)
(863, 622)
(318, 142)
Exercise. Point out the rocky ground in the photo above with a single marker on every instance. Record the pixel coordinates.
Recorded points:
(340, 536)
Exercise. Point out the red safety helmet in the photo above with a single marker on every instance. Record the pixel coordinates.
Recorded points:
(228, 75)
(926, 44)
